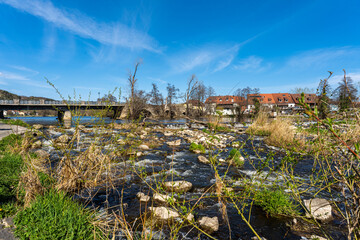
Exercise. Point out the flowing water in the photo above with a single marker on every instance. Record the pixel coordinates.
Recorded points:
(180, 164)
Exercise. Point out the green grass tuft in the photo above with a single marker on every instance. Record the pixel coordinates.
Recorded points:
(235, 155)
(55, 216)
(194, 146)
(10, 140)
(10, 172)
(15, 122)
(275, 202)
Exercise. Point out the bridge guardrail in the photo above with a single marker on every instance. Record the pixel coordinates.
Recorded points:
(48, 102)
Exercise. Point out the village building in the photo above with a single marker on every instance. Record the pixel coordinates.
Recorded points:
(226, 104)
(265, 99)
(309, 98)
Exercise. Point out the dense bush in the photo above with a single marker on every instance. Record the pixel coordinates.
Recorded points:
(274, 202)
(15, 122)
(10, 140)
(10, 172)
(194, 146)
(236, 157)
(55, 216)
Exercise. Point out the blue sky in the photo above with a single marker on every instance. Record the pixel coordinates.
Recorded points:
(89, 47)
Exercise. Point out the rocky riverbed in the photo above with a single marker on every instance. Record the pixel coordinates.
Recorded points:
(158, 183)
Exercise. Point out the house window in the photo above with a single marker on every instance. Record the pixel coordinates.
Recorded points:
(279, 99)
(220, 100)
(227, 99)
(286, 100)
(232, 100)
(309, 99)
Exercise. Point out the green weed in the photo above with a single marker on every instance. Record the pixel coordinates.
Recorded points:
(275, 202)
(55, 216)
(10, 140)
(236, 157)
(15, 122)
(194, 147)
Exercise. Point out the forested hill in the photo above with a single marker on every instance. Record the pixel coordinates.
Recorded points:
(5, 95)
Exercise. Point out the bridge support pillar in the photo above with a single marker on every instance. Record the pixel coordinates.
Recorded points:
(117, 112)
(65, 118)
(2, 114)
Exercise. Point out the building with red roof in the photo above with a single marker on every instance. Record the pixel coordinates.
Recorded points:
(226, 104)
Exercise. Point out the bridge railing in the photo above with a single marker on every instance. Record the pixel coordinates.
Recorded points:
(6, 101)
(49, 102)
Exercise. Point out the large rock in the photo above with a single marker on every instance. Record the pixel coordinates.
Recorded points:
(208, 224)
(203, 159)
(36, 144)
(315, 237)
(63, 139)
(38, 126)
(164, 213)
(142, 197)
(178, 186)
(144, 147)
(319, 208)
(161, 198)
(174, 143)
(42, 153)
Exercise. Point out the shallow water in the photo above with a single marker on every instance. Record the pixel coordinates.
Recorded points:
(163, 162)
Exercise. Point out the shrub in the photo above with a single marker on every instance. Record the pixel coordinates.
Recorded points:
(194, 147)
(275, 202)
(236, 157)
(10, 140)
(10, 174)
(55, 216)
(15, 122)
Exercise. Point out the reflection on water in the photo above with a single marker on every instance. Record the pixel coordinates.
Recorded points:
(90, 120)
(96, 120)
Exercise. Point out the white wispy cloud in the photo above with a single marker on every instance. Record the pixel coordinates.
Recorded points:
(110, 34)
(337, 78)
(252, 63)
(322, 57)
(24, 69)
(215, 58)
(159, 80)
(12, 76)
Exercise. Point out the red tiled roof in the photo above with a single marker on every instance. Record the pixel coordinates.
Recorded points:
(283, 98)
(264, 98)
(309, 98)
(222, 100)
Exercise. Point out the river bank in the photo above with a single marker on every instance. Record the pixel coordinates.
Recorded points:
(122, 170)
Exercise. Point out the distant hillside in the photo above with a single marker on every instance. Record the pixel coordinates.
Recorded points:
(5, 95)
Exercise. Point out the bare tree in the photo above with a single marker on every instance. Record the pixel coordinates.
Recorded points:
(192, 85)
(156, 99)
(132, 81)
(303, 90)
(210, 91)
(140, 102)
(199, 96)
(172, 95)
(345, 93)
(243, 92)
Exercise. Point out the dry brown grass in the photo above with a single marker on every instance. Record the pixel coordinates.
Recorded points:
(283, 134)
(83, 171)
(280, 132)
(260, 125)
(29, 180)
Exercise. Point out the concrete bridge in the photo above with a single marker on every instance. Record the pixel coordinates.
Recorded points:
(63, 107)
